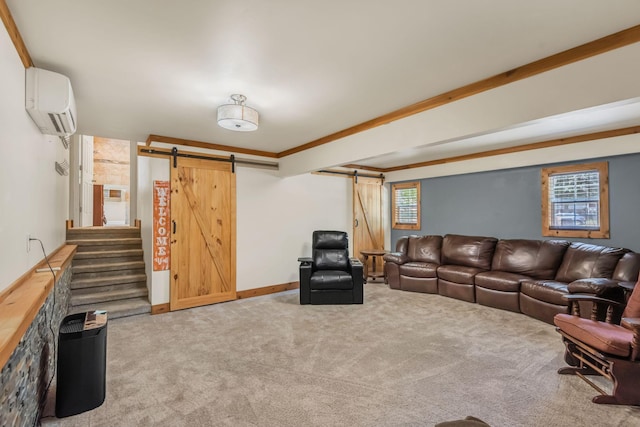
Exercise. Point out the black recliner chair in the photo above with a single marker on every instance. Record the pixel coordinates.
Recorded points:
(330, 276)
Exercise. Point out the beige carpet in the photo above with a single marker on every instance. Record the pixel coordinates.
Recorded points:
(401, 359)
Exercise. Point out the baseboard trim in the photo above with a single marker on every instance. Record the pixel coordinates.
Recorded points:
(160, 308)
(249, 293)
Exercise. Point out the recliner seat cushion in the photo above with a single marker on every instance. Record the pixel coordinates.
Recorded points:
(500, 280)
(458, 273)
(538, 259)
(330, 279)
(583, 260)
(606, 337)
(550, 291)
(418, 269)
(470, 251)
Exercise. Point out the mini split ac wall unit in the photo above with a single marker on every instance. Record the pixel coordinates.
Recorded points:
(50, 103)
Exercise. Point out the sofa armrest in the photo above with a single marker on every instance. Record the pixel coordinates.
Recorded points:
(306, 268)
(396, 258)
(356, 267)
(596, 286)
(627, 286)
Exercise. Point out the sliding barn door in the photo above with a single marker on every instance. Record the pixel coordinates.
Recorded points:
(368, 231)
(203, 244)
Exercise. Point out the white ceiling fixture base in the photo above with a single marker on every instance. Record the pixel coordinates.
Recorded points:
(237, 116)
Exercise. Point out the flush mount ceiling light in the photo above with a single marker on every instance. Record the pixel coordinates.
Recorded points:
(238, 116)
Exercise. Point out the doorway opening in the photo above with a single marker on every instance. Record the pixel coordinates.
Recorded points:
(105, 176)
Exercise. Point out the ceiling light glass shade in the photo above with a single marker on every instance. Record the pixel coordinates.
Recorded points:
(237, 116)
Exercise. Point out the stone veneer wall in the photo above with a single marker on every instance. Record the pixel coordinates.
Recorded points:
(26, 375)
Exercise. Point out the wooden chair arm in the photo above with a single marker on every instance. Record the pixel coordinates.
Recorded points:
(633, 324)
(592, 298)
(574, 307)
(627, 286)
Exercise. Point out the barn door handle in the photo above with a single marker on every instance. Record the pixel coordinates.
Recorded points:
(174, 226)
(356, 222)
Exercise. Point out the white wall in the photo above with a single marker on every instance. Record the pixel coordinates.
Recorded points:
(33, 197)
(275, 219)
(150, 169)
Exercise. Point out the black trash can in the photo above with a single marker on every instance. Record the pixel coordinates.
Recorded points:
(82, 363)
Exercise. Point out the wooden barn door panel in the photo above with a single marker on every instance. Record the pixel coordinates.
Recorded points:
(203, 262)
(368, 230)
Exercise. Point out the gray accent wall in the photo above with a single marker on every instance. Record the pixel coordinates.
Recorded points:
(507, 204)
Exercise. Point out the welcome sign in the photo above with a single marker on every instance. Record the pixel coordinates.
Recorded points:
(161, 235)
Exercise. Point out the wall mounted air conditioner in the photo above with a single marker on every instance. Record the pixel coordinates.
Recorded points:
(50, 103)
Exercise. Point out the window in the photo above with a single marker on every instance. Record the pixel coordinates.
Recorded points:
(405, 206)
(575, 201)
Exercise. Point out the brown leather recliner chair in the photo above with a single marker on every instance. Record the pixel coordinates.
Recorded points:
(330, 276)
(462, 258)
(543, 299)
(604, 348)
(514, 261)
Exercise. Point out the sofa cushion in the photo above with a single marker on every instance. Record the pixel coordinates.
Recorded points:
(418, 269)
(500, 280)
(425, 248)
(606, 337)
(583, 260)
(627, 268)
(331, 259)
(539, 259)
(549, 291)
(458, 273)
(470, 251)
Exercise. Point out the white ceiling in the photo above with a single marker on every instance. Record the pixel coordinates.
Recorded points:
(310, 68)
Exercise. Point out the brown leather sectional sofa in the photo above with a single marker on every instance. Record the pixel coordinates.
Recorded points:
(525, 276)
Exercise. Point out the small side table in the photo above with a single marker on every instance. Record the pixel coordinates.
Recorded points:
(373, 253)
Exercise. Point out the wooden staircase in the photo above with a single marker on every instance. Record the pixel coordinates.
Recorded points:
(108, 271)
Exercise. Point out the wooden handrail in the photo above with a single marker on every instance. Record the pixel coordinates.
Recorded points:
(21, 301)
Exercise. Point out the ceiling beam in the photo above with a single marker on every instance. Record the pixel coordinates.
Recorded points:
(200, 144)
(584, 51)
(533, 146)
(14, 34)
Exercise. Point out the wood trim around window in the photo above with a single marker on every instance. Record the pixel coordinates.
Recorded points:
(603, 170)
(400, 226)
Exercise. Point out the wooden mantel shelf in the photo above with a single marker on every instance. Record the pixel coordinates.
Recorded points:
(20, 302)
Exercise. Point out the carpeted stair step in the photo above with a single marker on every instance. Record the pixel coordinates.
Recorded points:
(115, 267)
(109, 288)
(105, 257)
(102, 232)
(94, 245)
(117, 309)
(109, 294)
(106, 280)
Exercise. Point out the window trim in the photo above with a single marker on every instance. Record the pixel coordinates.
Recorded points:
(404, 185)
(603, 171)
